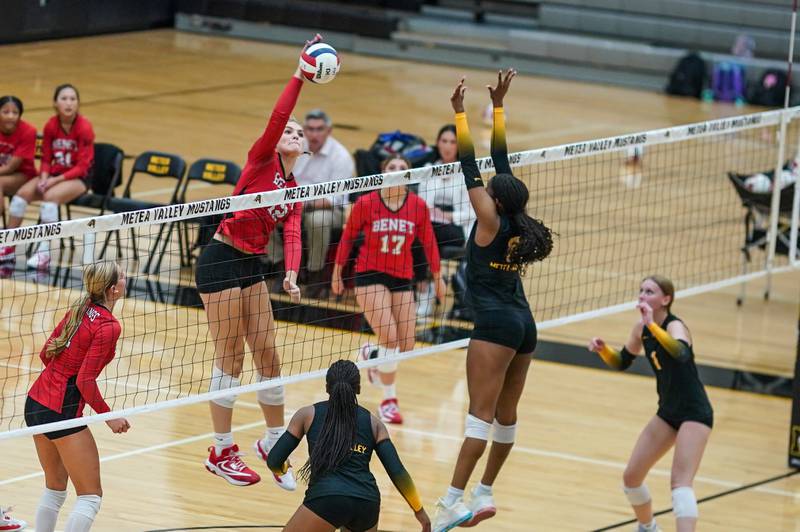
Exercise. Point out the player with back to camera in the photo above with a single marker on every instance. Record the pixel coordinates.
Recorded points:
(503, 241)
(230, 279)
(342, 436)
(684, 417)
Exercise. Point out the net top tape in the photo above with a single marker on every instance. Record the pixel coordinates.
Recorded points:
(303, 193)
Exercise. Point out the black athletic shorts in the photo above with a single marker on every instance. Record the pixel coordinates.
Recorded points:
(512, 328)
(349, 512)
(371, 277)
(38, 414)
(221, 267)
(675, 421)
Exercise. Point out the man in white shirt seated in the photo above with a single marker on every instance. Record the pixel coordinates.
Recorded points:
(326, 160)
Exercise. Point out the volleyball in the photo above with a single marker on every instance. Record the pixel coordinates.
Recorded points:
(319, 63)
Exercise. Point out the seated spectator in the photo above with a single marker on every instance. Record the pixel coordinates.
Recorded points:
(327, 160)
(17, 149)
(65, 173)
(451, 213)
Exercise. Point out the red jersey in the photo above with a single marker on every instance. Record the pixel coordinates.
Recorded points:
(388, 235)
(21, 143)
(70, 155)
(89, 351)
(249, 230)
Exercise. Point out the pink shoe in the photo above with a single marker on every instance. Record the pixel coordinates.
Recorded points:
(8, 523)
(389, 412)
(229, 465)
(8, 254)
(286, 480)
(368, 352)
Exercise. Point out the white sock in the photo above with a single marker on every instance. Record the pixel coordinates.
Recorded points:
(482, 489)
(272, 436)
(222, 440)
(48, 212)
(389, 391)
(453, 495)
(47, 511)
(83, 513)
(650, 526)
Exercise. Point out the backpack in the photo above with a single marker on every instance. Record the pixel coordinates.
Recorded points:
(410, 146)
(770, 89)
(728, 82)
(688, 77)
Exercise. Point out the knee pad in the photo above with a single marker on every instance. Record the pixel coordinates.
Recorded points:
(503, 433)
(87, 506)
(223, 381)
(49, 212)
(53, 499)
(637, 496)
(684, 502)
(476, 428)
(271, 396)
(17, 207)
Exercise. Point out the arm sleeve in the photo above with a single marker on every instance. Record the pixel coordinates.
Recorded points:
(265, 146)
(99, 352)
(85, 156)
(279, 454)
(351, 230)
(466, 153)
(56, 332)
(499, 149)
(677, 349)
(427, 237)
(26, 149)
(400, 477)
(47, 150)
(620, 360)
(292, 244)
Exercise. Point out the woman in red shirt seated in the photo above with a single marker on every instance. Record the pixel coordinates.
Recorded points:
(65, 174)
(391, 218)
(81, 345)
(17, 148)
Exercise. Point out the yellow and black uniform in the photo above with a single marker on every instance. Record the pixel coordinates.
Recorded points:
(681, 395)
(348, 496)
(494, 287)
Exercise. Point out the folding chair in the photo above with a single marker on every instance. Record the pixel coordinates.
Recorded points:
(757, 218)
(213, 172)
(162, 166)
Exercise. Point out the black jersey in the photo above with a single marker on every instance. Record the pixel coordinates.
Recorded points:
(353, 477)
(493, 282)
(680, 392)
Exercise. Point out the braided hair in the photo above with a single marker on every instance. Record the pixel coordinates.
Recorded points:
(535, 238)
(338, 434)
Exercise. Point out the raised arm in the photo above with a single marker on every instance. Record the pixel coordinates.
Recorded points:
(499, 150)
(483, 204)
(676, 341)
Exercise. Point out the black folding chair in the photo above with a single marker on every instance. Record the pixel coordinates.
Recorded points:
(758, 207)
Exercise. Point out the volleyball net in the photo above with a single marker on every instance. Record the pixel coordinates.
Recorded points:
(694, 203)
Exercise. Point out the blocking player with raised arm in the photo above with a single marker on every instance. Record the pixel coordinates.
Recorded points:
(390, 219)
(342, 436)
(503, 241)
(81, 345)
(684, 417)
(230, 279)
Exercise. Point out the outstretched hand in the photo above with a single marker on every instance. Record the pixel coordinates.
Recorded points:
(503, 83)
(457, 99)
(596, 344)
(317, 38)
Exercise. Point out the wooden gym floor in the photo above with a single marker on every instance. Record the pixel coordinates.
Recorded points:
(197, 97)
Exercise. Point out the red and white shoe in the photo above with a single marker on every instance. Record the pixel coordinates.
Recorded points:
(229, 465)
(8, 523)
(285, 481)
(389, 412)
(8, 254)
(39, 261)
(368, 351)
